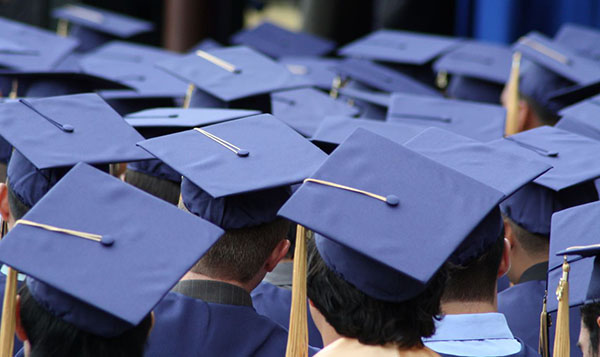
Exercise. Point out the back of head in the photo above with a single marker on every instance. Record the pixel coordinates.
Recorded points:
(156, 186)
(589, 318)
(354, 314)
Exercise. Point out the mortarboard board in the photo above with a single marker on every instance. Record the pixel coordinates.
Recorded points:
(230, 75)
(354, 195)
(382, 78)
(163, 121)
(237, 174)
(568, 183)
(581, 39)
(52, 134)
(28, 48)
(480, 121)
(319, 71)
(504, 171)
(333, 130)
(479, 70)
(94, 26)
(372, 104)
(582, 118)
(276, 41)
(205, 45)
(111, 278)
(303, 109)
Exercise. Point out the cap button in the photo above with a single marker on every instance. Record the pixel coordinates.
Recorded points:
(242, 153)
(392, 200)
(68, 128)
(107, 241)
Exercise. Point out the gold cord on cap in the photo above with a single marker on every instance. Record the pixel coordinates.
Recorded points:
(390, 199)
(561, 335)
(238, 151)
(89, 236)
(512, 110)
(217, 61)
(545, 50)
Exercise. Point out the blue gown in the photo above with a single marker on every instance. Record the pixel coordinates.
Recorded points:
(274, 303)
(185, 326)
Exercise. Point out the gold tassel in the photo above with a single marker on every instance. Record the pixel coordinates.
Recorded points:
(297, 344)
(561, 337)
(337, 84)
(188, 96)
(543, 343)
(14, 91)
(62, 28)
(512, 112)
(8, 323)
(441, 80)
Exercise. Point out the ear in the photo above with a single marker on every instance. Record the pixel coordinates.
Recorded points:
(509, 235)
(19, 330)
(277, 254)
(152, 321)
(505, 262)
(598, 321)
(4, 206)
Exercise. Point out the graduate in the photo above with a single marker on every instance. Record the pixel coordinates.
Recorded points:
(236, 174)
(371, 291)
(112, 271)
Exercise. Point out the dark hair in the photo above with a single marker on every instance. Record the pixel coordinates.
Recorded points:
(589, 314)
(546, 116)
(52, 336)
(17, 208)
(532, 243)
(354, 314)
(475, 281)
(240, 253)
(2, 172)
(161, 188)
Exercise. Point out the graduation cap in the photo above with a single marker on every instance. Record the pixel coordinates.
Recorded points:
(163, 121)
(479, 70)
(276, 41)
(236, 77)
(28, 48)
(303, 109)
(568, 183)
(318, 70)
(382, 78)
(113, 270)
(372, 104)
(94, 26)
(502, 170)
(552, 72)
(52, 134)
(582, 118)
(205, 45)
(354, 195)
(480, 121)
(237, 173)
(581, 39)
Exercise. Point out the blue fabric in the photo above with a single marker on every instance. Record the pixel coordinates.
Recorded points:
(582, 118)
(190, 327)
(318, 71)
(5, 151)
(275, 302)
(503, 283)
(155, 168)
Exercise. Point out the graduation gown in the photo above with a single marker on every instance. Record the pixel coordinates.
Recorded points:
(348, 347)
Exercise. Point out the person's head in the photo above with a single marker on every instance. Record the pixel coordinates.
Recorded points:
(589, 334)
(160, 187)
(45, 334)
(354, 314)
(526, 248)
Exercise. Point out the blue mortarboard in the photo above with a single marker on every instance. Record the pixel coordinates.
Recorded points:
(382, 78)
(276, 41)
(403, 212)
(52, 134)
(582, 118)
(94, 26)
(333, 130)
(231, 74)
(319, 71)
(479, 70)
(106, 283)
(505, 171)
(303, 109)
(483, 122)
(29, 48)
(237, 174)
(163, 121)
(399, 47)
(567, 184)
(205, 45)
(581, 39)
(372, 104)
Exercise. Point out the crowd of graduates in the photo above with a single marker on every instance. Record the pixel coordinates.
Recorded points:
(405, 194)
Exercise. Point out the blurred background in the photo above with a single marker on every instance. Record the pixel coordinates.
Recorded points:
(183, 23)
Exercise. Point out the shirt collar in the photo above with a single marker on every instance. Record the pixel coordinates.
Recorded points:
(463, 327)
(212, 291)
(281, 276)
(538, 271)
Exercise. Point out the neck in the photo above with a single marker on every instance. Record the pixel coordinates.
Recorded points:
(197, 276)
(328, 333)
(519, 266)
(469, 307)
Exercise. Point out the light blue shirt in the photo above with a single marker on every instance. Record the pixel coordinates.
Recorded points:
(473, 335)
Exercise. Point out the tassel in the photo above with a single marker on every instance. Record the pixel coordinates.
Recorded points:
(337, 84)
(8, 323)
(62, 28)
(441, 80)
(512, 112)
(543, 343)
(188, 96)
(297, 344)
(561, 337)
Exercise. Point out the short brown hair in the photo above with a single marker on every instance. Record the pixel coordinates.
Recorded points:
(157, 187)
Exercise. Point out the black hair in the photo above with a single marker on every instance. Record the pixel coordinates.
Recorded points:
(17, 208)
(532, 243)
(354, 314)
(52, 336)
(546, 116)
(589, 314)
(157, 187)
(476, 280)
